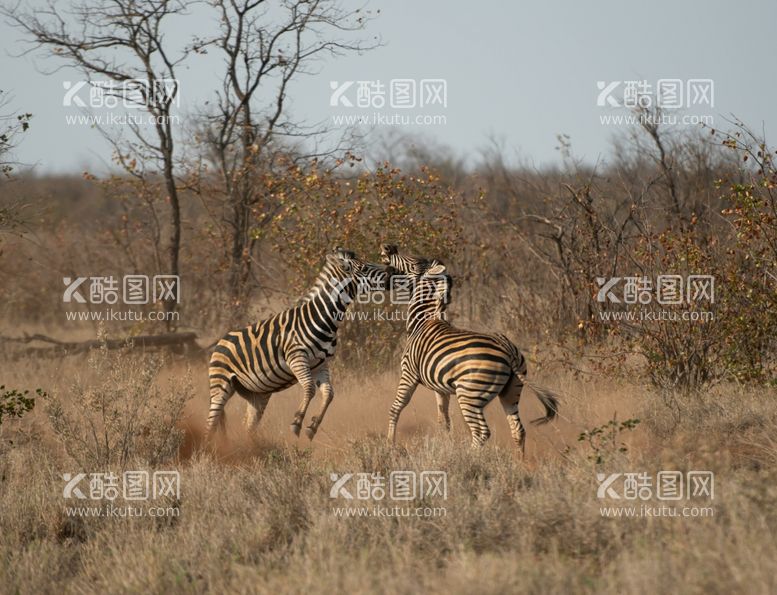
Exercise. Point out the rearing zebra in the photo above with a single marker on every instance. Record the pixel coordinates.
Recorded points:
(293, 346)
(475, 367)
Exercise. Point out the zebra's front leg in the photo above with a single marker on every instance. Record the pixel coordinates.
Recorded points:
(407, 386)
(443, 405)
(300, 367)
(327, 394)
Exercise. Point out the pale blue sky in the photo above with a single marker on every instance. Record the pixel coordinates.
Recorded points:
(520, 71)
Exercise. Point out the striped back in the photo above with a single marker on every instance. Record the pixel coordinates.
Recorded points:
(447, 358)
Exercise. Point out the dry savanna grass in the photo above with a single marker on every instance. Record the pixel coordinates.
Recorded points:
(256, 516)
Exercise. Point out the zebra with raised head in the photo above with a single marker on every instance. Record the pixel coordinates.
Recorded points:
(292, 346)
(410, 265)
(407, 265)
(472, 366)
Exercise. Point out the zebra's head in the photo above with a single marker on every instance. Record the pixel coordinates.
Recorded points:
(349, 275)
(407, 265)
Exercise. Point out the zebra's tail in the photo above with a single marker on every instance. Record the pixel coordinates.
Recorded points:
(549, 400)
(547, 397)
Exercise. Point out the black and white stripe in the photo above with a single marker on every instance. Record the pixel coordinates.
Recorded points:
(472, 366)
(290, 347)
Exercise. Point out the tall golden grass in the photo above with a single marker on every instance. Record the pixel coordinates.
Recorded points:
(256, 514)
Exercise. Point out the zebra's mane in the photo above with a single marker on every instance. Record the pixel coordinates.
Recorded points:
(322, 283)
(421, 265)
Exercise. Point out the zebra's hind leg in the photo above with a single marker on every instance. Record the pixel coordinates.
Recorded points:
(327, 394)
(510, 397)
(443, 406)
(300, 367)
(220, 393)
(472, 410)
(407, 386)
(256, 403)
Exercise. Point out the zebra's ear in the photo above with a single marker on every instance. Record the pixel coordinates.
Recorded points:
(389, 249)
(437, 269)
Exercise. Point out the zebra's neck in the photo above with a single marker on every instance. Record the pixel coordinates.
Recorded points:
(330, 296)
(422, 311)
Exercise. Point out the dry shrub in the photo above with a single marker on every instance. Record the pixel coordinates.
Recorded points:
(416, 210)
(115, 412)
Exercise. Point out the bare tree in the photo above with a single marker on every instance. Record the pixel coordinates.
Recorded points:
(122, 41)
(12, 124)
(265, 45)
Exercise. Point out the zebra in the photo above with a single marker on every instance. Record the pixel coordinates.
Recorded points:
(474, 367)
(292, 346)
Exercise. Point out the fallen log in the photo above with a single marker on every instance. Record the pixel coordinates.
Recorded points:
(179, 342)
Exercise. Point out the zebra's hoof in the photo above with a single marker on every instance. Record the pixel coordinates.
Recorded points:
(310, 433)
(295, 427)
